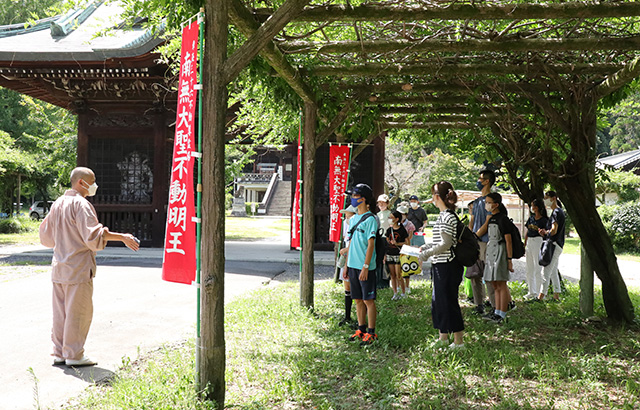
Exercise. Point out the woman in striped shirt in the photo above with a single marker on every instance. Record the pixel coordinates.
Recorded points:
(446, 271)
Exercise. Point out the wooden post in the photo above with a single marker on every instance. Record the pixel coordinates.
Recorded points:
(308, 205)
(211, 364)
(378, 169)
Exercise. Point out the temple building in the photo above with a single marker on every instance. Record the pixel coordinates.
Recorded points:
(107, 71)
(123, 98)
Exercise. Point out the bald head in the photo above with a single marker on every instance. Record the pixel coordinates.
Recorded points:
(82, 173)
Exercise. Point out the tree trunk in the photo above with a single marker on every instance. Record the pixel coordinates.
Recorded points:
(586, 283)
(308, 205)
(18, 208)
(577, 194)
(212, 350)
(586, 270)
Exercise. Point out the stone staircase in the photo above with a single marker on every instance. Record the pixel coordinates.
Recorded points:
(281, 200)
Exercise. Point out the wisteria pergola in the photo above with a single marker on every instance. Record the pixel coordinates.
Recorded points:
(524, 76)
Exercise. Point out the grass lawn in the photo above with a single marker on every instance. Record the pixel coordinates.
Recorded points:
(247, 229)
(24, 238)
(280, 356)
(572, 246)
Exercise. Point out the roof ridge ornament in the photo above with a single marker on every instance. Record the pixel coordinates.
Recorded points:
(70, 21)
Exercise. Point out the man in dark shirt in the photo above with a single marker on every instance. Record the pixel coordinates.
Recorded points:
(418, 218)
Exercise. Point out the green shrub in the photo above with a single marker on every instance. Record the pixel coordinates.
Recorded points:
(248, 207)
(13, 225)
(607, 212)
(624, 227)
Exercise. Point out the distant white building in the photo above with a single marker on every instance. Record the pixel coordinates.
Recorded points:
(627, 161)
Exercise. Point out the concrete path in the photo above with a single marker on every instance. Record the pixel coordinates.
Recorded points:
(134, 312)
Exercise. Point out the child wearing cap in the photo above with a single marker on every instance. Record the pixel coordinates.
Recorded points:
(361, 263)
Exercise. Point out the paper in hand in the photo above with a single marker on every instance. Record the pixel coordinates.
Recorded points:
(410, 250)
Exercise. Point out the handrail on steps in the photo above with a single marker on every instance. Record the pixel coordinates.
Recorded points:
(266, 200)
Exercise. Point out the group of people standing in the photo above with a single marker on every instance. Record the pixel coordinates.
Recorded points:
(488, 220)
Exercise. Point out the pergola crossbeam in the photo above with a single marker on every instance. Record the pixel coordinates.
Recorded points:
(522, 11)
(430, 70)
(450, 86)
(430, 125)
(453, 46)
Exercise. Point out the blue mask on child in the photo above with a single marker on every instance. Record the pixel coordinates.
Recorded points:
(355, 202)
(479, 185)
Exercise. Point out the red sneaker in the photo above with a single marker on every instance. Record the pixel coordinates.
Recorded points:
(368, 339)
(358, 335)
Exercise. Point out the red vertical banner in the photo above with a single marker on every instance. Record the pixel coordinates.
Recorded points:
(338, 176)
(179, 257)
(295, 211)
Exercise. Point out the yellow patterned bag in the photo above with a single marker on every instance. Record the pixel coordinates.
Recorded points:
(410, 265)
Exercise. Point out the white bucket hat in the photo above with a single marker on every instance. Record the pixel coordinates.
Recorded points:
(350, 208)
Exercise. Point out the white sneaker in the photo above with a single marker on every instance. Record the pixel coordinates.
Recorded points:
(394, 297)
(454, 346)
(57, 360)
(402, 296)
(408, 291)
(84, 361)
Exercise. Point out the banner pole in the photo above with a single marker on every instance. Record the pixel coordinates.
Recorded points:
(199, 188)
(299, 210)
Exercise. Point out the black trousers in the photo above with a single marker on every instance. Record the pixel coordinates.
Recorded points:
(445, 309)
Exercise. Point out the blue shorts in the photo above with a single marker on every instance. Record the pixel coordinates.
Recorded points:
(365, 290)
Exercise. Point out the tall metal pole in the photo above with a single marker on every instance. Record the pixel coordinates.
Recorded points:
(199, 192)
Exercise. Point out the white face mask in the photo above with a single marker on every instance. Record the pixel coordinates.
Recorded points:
(91, 188)
(548, 202)
(488, 207)
(414, 205)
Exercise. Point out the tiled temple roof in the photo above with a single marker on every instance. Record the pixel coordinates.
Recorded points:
(76, 36)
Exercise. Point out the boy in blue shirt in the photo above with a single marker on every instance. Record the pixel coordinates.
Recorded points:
(361, 263)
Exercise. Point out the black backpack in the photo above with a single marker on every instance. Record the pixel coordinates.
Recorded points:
(466, 249)
(517, 246)
(380, 244)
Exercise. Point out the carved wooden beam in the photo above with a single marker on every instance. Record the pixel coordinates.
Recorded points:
(515, 11)
(374, 70)
(244, 21)
(619, 79)
(431, 45)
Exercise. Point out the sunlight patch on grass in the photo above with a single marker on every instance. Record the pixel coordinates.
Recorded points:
(247, 229)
